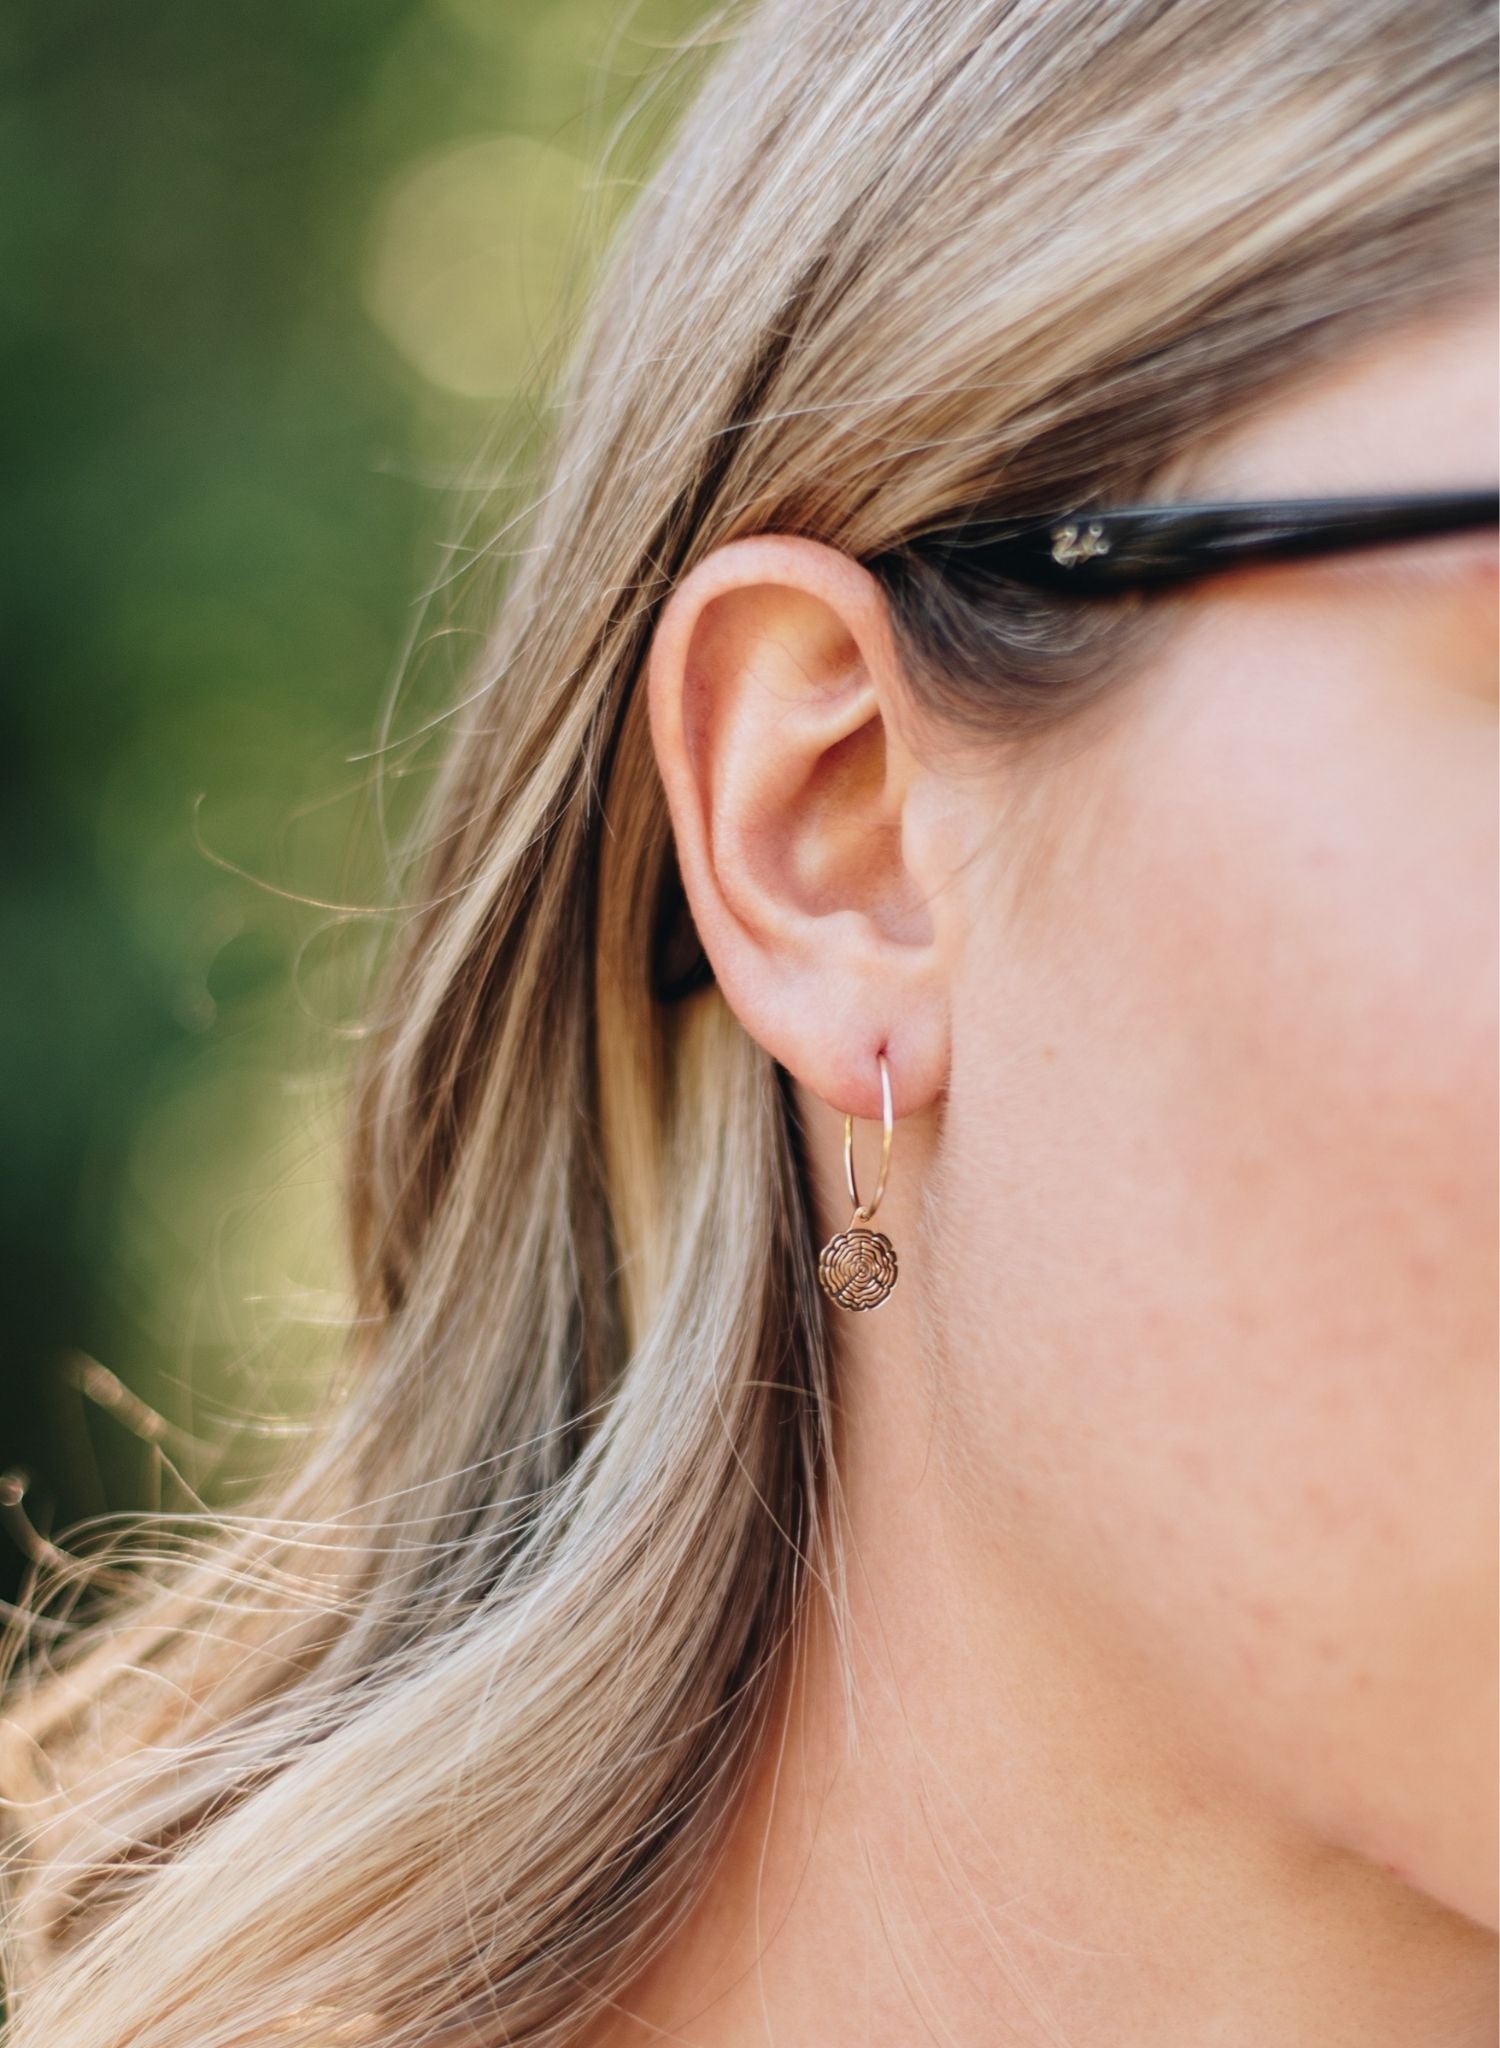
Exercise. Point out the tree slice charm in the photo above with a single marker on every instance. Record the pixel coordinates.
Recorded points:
(857, 1269)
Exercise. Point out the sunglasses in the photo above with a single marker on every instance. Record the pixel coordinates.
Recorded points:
(1140, 547)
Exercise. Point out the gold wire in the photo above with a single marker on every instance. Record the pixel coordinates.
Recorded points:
(861, 1213)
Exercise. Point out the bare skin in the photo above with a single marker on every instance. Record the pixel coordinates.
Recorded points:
(1169, 1466)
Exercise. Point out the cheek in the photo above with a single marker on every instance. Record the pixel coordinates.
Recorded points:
(1310, 863)
(1307, 869)
(1224, 1129)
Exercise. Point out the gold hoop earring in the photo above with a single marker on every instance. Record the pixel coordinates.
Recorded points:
(857, 1268)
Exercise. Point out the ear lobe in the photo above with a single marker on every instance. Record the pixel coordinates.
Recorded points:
(773, 688)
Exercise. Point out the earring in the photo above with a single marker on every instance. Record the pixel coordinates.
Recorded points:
(857, 1268)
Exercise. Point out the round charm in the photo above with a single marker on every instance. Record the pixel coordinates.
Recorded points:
(857, 1269)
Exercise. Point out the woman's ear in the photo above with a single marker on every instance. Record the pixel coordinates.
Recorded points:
(805, 823)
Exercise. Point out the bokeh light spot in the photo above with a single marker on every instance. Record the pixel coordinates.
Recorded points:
(472, 256)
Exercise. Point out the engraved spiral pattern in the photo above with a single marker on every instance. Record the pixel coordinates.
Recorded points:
(857, 1269)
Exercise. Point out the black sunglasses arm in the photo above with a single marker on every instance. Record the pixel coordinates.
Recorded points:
(1141, 546)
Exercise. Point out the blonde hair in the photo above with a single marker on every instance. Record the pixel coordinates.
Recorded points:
(440, 1744)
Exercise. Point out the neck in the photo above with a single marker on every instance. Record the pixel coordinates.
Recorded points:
(984, 1829)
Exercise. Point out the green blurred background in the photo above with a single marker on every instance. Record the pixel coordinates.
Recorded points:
(277, 287)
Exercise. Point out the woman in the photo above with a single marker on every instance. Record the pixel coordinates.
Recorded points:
(1070, 1617)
